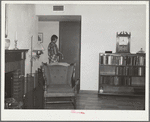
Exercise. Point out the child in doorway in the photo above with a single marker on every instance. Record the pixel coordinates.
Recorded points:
(53, 51)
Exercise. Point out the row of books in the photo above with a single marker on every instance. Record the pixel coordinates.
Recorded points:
(122, 60)
(117, 81)
(130, 71)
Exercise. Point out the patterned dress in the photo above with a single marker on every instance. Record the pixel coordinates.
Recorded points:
(53, 52)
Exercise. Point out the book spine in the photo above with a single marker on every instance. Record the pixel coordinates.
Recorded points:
(133, 71)
(141, 71)
(116, 81)
(127, 71)
(118, 60)
(110, 60)
(125, 60)
(137, 60)
(134, 61)
(101, 57)
(121, 60)
(101, 80)
(141, 60)
(113, 60)
(124, 81)
(111, 81)
(121, 81)
(131, 60)
(129, 81)
(128, 62)
(104, 59)
(106, 80)
(120, 70)
(136, 71)
(124, 71)
(117, 70)
(130, 71)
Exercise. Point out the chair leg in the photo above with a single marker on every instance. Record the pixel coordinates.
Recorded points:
(74, 102)
(44, 102)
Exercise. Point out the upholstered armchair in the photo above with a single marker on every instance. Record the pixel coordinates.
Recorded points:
(59, 80)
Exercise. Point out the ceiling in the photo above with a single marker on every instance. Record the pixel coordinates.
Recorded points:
(59, 18)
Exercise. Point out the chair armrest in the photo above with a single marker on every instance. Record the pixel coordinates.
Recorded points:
(77, 82)
(44, 77)
(76, 85)
(73, 81)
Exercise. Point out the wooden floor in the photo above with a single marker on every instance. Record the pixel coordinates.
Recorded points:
(91, 101)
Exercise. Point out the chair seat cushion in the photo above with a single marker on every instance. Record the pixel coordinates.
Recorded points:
(60, 88)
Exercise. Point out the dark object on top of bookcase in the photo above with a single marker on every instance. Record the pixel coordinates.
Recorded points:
(123, 42)
(108, 51)
(141, 51)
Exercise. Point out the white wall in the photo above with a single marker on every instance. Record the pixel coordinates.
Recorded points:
(22, 18)
(48, 29)
(99, 25)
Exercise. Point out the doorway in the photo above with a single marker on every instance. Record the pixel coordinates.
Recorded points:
(69, 38)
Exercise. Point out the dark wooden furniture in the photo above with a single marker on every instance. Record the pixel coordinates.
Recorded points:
(39, 91)
(15, 59)
(59, 84)
(29, 92)
(121, 74)
(14, 76)
(34, 90)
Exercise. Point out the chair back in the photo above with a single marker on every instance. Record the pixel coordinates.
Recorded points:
(58, 73)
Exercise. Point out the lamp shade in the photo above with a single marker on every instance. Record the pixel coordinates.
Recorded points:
(38, 47)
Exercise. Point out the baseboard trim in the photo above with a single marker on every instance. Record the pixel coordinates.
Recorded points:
(88, 92)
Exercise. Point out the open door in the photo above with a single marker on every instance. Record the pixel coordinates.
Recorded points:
(70, 43)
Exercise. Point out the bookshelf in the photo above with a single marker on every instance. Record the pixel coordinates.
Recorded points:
(121, 74)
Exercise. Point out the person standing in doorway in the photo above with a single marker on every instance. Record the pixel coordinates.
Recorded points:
(53, 51)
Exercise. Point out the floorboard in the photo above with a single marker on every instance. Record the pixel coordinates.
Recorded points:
(94, 101)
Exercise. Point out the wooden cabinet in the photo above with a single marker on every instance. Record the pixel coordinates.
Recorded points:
(121, 74)
(34, 95)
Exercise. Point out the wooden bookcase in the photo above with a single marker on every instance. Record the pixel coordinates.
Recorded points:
(121, 74)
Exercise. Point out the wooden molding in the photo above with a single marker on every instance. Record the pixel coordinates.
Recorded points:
(88, 92)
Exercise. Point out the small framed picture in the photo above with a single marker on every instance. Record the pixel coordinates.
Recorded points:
(40, 37)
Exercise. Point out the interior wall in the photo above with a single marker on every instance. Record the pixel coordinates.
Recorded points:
(22, 19)
(99, 25)
(48, 29)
